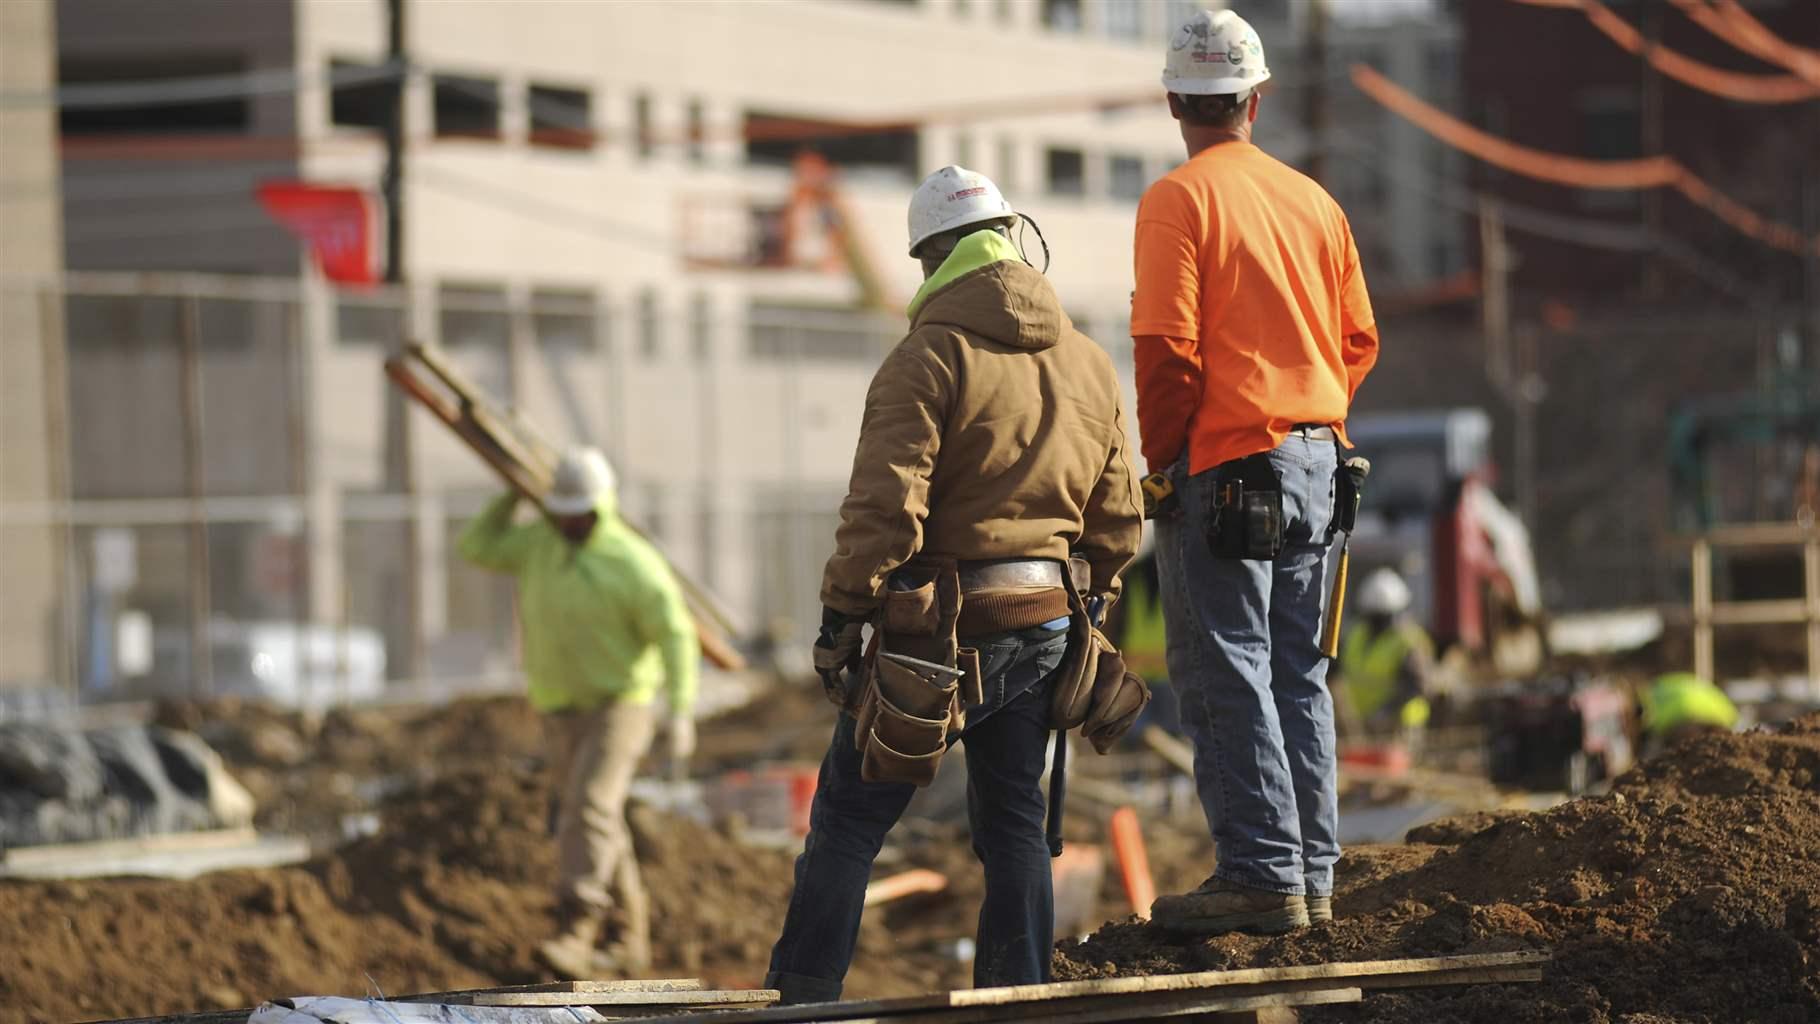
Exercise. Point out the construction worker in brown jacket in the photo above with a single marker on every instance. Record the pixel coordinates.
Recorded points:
(992, 448)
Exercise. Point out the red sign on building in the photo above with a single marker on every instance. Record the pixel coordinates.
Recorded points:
(337, 222)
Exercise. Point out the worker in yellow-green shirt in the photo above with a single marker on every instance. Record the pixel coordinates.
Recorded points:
(608, 647)
(1681, 704)
(1386, 661)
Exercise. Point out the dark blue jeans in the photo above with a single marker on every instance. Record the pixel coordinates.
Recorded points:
(1005, 741)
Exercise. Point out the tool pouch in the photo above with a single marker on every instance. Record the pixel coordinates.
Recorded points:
(1073, 695)
(911, 703)
(1245, 519)
(1347, 492)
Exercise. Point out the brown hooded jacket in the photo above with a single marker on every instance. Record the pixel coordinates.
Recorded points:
(992, 431)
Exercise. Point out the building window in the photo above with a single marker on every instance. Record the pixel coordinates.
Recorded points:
(791, 332)
(466, 107)
(1126, 174)
(707, 529)
(644, 134)
(215, 115)
(701, 327)
(564, 320)
(698, 132)
(561, 117)
(1611, 128)
(963, 149)
(776, 139)
(1125, 19)
(476, 328)
(1007, 165)
(1062, 15)
(655, 523)
(650, 328)
(1067, 172)
(358, 97)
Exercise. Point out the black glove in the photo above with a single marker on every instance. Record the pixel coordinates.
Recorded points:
(837, 653)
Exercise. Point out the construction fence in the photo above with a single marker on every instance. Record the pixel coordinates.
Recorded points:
(242, 504)
(236, 501)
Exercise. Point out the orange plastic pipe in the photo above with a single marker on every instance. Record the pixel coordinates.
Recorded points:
(1134, 861)
(908, 883)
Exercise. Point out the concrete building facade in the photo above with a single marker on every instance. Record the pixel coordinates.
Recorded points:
(31, 351)
(587, 188)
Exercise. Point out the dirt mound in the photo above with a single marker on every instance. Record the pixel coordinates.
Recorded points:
(453, 890)
(1690, 893)
(123, 947)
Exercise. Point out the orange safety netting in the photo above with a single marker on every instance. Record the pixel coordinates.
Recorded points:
(1578, 172)
(1735, 85)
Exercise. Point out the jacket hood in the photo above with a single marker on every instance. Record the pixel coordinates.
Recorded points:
(987, 289)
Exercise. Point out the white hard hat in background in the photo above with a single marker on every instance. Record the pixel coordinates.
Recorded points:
(1384, 593)
(1214, 53)
(953, 197)
(583, 477)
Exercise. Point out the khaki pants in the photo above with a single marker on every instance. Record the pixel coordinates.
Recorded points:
(595, 755)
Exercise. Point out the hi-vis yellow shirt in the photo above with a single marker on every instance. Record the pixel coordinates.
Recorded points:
(603, 620)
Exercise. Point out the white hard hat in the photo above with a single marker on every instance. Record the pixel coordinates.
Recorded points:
(1384, 593)
(583, 477)
(953, 197)
(1214, 53)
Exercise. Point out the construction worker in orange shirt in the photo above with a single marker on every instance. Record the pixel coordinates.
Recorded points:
(1252, 330)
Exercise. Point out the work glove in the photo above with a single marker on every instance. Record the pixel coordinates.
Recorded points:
(837, 653)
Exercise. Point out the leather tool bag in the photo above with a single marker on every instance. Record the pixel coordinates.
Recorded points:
(1094, 691)
(1245, 519)
(916, 690)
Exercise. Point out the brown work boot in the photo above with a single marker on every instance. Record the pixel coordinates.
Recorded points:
(1320, 908)
(571, 954)
(1220, 906)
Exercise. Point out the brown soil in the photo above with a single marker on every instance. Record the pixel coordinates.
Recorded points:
(1690, 893)
(453, 891)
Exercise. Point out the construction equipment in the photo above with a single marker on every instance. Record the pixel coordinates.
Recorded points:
(778, 236)
(1351, 488)
(527, 462)
(1433, 517)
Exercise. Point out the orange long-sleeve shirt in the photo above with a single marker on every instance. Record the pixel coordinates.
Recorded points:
(1250, 314)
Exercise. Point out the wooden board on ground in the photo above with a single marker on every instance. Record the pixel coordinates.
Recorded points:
(164, 855)
(526, 461)
(1109, 1009)
(1034, 1002)
(581, 987)
(644, 998)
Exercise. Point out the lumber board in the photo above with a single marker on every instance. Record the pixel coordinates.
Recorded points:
(1359, 969)
(1469, 976)
(583, 987)
(1109, 1009)
(690, 998)
(1273, 981)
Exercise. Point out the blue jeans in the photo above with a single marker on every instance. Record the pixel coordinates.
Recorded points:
(1005, 742)
(1244, 655)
